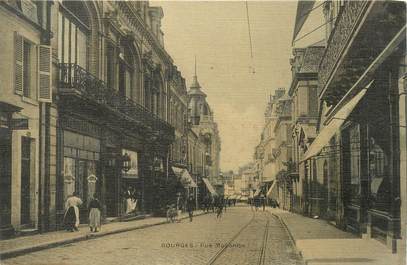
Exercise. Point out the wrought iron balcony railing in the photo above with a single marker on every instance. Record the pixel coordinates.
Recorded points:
(74, 78)
(345, 24)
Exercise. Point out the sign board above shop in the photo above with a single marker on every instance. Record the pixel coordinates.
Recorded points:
(13, 124)
(19, 124)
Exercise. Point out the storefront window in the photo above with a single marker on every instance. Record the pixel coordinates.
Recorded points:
(81, 155)
(69, 176)
(333, 176)
(354, 142)
(379, 177)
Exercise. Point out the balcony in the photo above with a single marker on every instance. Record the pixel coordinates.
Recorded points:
(345, 24)
(361, 31)
(75, 82)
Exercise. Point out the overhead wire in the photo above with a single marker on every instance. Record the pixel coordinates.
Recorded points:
(248, 25)
(250, 36)
(315, 29)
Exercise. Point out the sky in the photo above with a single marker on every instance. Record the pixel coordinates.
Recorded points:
(217, 34)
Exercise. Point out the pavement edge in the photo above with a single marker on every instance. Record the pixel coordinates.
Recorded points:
(292, 239)
(18, 252)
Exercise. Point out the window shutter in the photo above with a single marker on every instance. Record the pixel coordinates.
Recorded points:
(44, 73)
(18, 64)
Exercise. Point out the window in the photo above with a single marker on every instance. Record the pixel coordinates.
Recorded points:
(354, 162)
(110, 65)
(126, 72)
(32, 69)
(28, 66)
(379, 169)
(312, 102)
(73, 28)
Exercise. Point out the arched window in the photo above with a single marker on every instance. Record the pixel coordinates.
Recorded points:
(73, 33)
(156, 95)
(126, 70)
(205, 110)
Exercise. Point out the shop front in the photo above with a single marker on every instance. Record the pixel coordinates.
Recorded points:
(5, 176)
(81, 172)
(18, 170)
(132, 189)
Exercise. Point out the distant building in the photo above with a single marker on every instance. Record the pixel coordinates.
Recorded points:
(303, 92)
(204, 126)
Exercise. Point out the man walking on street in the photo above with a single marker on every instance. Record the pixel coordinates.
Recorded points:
(263, 202)
(190, 207)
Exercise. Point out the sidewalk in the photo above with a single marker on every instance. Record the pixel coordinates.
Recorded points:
(26, 244)
(321, 243)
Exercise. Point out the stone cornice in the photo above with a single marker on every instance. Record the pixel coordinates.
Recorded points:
(137, 23)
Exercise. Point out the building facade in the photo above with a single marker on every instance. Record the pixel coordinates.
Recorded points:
(26, 89)
(303, 92)
(358, 157)
(95, 105)
(282, 151)
(202, 124)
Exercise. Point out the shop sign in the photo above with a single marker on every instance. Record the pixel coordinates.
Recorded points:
(4, 121)
(19, 124)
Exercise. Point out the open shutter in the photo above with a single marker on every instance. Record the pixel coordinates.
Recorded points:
(18, 64)
(44, 74)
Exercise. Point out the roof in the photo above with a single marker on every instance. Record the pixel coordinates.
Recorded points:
(195, 88)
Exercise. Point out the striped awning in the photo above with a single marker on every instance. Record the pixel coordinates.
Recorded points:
(270, 191)
(209, 186)
(185, 177)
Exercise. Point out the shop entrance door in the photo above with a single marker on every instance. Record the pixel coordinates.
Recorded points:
(111, 194)
(25, 180)
(5, 178)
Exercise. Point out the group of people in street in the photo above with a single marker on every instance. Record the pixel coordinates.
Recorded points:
(217, 204)
(71, 216)
(261, 202)
(73, 203)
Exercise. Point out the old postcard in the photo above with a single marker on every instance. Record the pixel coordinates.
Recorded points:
(203, 132)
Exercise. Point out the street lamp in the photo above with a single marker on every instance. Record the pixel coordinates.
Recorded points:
(126, 162)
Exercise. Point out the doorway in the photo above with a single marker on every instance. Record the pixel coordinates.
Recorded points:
(25, 180)
(5, 178)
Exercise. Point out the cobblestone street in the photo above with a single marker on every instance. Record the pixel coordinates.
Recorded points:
(181, 243)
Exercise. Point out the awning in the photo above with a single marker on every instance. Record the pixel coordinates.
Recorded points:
(257, 193)
(209, 186)
(303, 10)
(269, 192)
(333, 126)
(185, 177)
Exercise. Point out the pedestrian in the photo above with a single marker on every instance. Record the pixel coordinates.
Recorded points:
(206, 203)
(224, 203)
(256, 203)
(219, 208)
(94, 214)
(263, 202)
(190, 207)
(130, 200)
(213, 204)
(71, 216)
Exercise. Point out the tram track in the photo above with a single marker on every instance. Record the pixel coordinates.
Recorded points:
(262, 250)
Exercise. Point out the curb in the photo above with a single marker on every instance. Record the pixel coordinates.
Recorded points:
(290, 236)
(18, 252)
